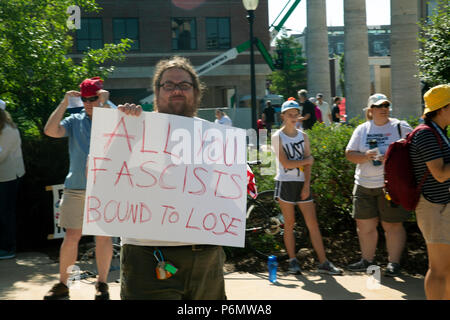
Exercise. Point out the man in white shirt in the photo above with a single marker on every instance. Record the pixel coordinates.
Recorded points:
(222, 118)
(325, 109)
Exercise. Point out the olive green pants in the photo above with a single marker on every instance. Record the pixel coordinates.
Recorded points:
(199, 276)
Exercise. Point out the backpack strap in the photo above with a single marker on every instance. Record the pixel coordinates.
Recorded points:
(438, 138)
(399, 130)
(430, 128)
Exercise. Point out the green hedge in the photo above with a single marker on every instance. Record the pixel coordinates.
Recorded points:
(46, 163)
(332, 176)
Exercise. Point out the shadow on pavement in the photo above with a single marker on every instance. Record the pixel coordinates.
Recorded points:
(411, 287)
(26, 267)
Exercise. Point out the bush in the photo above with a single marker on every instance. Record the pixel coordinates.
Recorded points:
(434, 54)
(332, 176)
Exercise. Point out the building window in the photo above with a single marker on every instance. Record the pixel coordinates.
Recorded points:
(124, 28)
(339, 47)
(218, 34)
(379, 48)
(184, 34)
(90, 35)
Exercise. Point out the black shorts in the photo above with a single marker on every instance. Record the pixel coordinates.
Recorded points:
(290, 191)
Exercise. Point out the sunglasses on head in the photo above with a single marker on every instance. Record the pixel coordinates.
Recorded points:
(384, 105)
(90, 99)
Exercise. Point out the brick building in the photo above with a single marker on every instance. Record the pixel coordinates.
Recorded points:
(198, 29)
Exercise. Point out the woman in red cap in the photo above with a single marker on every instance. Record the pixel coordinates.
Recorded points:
(77, 127)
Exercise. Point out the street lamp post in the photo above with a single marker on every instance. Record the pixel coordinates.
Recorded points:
(250, 6)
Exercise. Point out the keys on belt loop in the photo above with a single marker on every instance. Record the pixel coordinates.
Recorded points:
(164, 270)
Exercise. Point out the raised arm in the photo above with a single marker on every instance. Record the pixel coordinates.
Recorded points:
(53, 128)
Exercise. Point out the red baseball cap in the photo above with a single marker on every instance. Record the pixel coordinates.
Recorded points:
(89, 87)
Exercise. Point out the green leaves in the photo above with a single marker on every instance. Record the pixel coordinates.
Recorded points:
(35, 70)
(286, 82)
(332, 174)
(434, 55)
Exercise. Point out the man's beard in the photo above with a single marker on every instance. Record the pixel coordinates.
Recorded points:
(184, 108)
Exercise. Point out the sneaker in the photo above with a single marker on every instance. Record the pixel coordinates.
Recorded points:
(59, 292)
(392, 270)
(361, 265)
(7, 254)
(329, 268)
(102, 292)
(294, 266)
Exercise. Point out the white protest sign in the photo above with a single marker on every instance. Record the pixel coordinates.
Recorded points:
(166, 178)
(58, 232)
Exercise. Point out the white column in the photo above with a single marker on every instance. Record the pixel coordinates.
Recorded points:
(356, 54)
(317, 49)
(406, 100)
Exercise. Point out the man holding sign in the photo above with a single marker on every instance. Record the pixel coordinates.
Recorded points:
(174, 269)
(77, 128)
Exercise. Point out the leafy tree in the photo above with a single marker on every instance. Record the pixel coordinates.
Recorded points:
(434, 55)
(35, 70)
(292, 77)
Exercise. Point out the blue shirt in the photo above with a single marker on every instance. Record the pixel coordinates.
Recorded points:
(78, 129)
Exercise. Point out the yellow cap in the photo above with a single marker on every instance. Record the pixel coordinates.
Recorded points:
(436, 98)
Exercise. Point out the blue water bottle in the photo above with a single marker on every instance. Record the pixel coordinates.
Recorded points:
(272, 265)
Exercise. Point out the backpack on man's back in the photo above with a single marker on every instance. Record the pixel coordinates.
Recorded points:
(400, 183)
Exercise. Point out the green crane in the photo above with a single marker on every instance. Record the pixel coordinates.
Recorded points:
(234, 52)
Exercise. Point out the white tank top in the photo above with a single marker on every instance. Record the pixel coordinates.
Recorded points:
(294, 149)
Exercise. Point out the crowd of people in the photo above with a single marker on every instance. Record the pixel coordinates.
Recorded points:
(366, 148)
(178, 91)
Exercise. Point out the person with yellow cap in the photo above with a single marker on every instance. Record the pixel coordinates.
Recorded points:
(430, 152)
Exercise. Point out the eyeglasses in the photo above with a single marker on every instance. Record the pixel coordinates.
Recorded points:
(384, 105)
(171, 86)
(90, 99)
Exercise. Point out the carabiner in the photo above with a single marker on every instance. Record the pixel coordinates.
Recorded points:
(155, 254)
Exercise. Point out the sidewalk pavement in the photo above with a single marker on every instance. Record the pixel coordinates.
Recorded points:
(31, 274)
